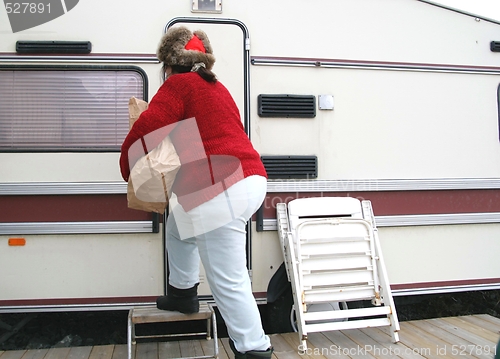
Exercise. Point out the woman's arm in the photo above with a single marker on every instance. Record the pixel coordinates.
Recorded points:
(150, 128)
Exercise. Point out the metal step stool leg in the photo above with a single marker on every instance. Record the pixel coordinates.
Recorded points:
(131, 342)
(213, 325)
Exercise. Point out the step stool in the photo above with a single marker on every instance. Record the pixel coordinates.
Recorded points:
(151, 314)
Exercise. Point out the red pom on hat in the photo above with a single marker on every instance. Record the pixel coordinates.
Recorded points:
(195, 44)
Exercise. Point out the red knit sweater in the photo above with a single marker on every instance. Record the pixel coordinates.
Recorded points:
(228, 153)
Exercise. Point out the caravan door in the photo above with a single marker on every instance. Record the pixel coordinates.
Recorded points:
(229, 39)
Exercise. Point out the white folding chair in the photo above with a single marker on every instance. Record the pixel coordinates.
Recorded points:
(332, 254)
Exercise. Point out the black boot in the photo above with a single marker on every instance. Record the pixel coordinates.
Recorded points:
(252, 354)
(260, 354)
(237, 354)
(181, 300)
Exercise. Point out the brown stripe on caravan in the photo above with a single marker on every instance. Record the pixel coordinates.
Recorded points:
(443, 284)
(76, 301)
(387, 203)
(68, 208)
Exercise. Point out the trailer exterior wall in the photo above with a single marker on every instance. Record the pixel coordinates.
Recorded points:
(415, 91)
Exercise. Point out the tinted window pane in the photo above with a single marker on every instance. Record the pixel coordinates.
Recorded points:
(66, 109)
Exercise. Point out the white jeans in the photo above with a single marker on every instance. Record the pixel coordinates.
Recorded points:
(223, 254)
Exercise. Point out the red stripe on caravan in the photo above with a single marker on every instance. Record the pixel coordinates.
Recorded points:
(76, 301)
(441, 284)
(68, 208)
(388, 203)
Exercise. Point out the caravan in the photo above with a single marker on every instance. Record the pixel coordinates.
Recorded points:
(391, 101)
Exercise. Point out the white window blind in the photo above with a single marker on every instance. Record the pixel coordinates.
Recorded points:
(67, 110)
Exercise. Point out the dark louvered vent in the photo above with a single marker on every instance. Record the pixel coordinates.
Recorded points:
(53, 47)
(495, 46)
(291, 166)
(287, 106)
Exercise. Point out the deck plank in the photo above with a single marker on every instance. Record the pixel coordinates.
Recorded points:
(376, 349)
(208, 346)
(79, 353)
(225, 347)
(488, 317)
(35, 354)
(282, 349)
(102, 352)
(437, 346)
(294, 342)
(347, 346)
(474, 329)
(169, 349)
(120, 351)
(324, 346)
(456, 342)
(147, 351)
(420, 342)
(13, 354)
(385, 339)
(461, 332)
(190, 348)
(492, 327)
(57, 353)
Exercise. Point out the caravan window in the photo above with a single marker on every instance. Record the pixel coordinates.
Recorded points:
(66, 108)
(498, 110)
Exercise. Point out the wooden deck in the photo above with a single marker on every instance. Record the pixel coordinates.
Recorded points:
(473, 336)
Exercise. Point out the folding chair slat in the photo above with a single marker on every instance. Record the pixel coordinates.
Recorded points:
(341, 314)
(356, 277)
(314, 296)
(354, 324)
(323, 262)
(336, 230)
(336, 248)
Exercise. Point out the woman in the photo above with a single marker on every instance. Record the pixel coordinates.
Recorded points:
(221, 183)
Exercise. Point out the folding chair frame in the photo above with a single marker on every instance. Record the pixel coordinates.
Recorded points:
(382, 314)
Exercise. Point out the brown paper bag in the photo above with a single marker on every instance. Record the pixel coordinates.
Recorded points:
(152, 176)
(136, 203)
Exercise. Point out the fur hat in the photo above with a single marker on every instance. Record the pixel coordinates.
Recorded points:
(172, 49)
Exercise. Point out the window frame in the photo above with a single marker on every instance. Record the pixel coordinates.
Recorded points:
(93, 149)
